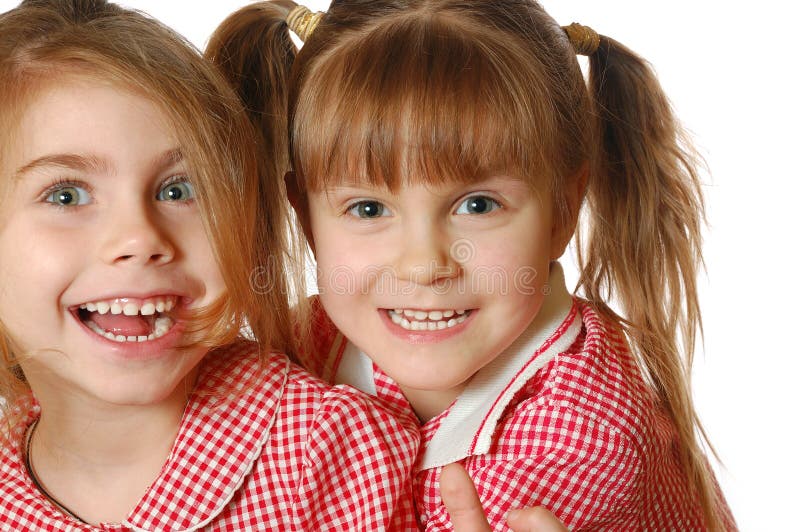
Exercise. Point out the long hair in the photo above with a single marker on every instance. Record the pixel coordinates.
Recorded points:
(41, 40)
(392, 91)
(252, 49)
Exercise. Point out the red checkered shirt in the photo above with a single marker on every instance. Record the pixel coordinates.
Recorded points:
(262, 446)
(562, 419)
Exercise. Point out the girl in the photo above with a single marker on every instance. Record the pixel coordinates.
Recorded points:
(131, 215)
(441, 152)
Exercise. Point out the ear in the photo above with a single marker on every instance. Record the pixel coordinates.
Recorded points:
(573, 198)
(299, 202)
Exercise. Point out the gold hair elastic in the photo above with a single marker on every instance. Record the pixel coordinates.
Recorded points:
(584, 39)
(303, 22)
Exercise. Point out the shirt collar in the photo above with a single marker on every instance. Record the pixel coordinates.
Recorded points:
(356, 369)
(224, 428)
(472, 419)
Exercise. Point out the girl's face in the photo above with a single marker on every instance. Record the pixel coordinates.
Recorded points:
(101, 247)
(433, 282)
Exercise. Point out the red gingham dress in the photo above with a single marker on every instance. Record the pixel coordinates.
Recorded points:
(262, 446)
(574, 427)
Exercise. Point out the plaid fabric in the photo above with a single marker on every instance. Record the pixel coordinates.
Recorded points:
(585, 437)
(262, 446)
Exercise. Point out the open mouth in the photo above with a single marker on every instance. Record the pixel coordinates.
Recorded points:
(129, 319)
(427, 320)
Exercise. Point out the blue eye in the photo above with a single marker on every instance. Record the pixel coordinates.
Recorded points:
(477, 205)
(176, 191)
(68, 196)
(368, 209)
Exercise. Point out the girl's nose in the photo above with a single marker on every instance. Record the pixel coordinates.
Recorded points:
(427, 257)
(136, 238)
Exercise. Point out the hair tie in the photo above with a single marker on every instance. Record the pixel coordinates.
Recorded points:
(584, 39)
(303, 22)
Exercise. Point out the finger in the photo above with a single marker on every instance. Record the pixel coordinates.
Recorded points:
(461, 500)
(536, 519)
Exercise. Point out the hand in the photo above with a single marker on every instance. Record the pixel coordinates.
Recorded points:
(535, 519)
(461, 500)
(467, 515)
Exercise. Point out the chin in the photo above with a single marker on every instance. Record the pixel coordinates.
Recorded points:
(133, 393)
(430, 381)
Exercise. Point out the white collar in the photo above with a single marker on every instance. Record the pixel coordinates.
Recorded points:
(355, 369)
(468, 428)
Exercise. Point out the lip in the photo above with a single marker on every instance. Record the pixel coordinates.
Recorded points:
(425, 337)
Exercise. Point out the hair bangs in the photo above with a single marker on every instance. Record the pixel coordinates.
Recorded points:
(420, 101)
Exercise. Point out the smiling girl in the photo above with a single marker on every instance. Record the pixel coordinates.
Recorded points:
(131, 218)
(442, 153)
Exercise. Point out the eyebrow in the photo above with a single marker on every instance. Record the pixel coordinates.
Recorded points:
(168, 158)
(349, 183)
(69, 161)
(92, 163)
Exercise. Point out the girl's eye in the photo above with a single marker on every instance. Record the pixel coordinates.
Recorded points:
(477, 205)
(68, 196)
(368, 209)
(176, 191)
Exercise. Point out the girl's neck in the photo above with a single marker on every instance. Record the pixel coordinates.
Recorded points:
(97, 461)
(428, 404)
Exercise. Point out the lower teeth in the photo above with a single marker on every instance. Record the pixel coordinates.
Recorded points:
(162, 325)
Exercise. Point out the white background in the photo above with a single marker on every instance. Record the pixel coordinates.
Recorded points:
(730, 71)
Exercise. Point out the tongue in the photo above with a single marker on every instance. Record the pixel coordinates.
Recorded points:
(122, 324)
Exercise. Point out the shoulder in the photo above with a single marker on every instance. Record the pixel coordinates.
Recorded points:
(14, 422)
(239, 395)
(356, 457)
(240, 368)
(596, 381)
(309, 394)
(590, 425)
(19, 502)
(352, 448)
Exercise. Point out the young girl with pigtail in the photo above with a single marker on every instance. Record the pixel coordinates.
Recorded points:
(132, 215)
(442, 155)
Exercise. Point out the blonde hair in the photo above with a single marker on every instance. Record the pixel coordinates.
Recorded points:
(480, 87)
(243, 214)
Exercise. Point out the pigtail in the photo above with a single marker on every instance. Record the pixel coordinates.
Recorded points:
(642, 247)
(253, 50)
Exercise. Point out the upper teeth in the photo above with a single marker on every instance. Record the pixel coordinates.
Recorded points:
(132, 307)
(421, 320)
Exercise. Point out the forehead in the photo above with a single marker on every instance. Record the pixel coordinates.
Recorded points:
(76, 103)
(76, 115)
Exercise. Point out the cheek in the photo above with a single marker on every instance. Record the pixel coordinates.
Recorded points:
(509, 273)
(344, 264)
(183, 228)
(38, 259)
(509, 258)
(338, 272)
(213, 280)
(201, 256)
(32, 279)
